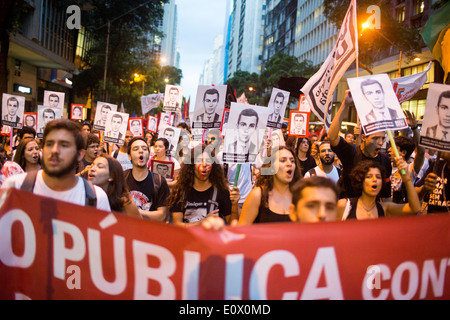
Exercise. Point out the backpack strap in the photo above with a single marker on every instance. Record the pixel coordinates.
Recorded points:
(116, 153)
(213, 201)
(91, 198)
(30, 181)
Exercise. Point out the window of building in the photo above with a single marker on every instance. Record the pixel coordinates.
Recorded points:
(400, 13)
(419, 6)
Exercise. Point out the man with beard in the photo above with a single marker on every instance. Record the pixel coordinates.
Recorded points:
(326, 167)
(351, 154)
(63, 147)
(148, 190)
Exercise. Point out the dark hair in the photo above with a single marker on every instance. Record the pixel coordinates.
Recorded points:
(26, 130)
(359, 172)
(312, 182)
(299, 141)
(117, 191)
(164, 141)
(405, 144)
(185, 180)
(92, 138)
(444, 94)
(86, 123)
(279, 95)
(69, 125)
(211, 91)
(19, 156)
(48, 110)
(369, 82)
(248, 113)
(265, 182)
(134, 139)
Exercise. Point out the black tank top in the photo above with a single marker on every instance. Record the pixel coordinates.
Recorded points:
(267, 215)
(354, 203)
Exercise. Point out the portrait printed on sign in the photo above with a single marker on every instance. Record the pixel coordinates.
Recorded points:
(376, 103)
(166, 118)
(172, 134)
(435, 131)
(163, 168)
(116, 127)
(13, 108)
(30, 120)
(152, 123)
(54, 99)
(172, 98)
(45, 115)
(303, 104)
(209, 107)
(135, 125)
(276, 138)
(101, 114)
(244, 133)
(298, 124)
(76, 111)
(223, 127)
(277, 106)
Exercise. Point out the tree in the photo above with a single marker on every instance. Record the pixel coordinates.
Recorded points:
(374, 42)
(248, 83)
(133, 27)
(284, 65)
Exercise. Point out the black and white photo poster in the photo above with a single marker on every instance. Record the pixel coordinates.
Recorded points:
(245, 133)
(116, 127)
(172, 134)
(435, 131)
(209, 107)
(13, 108)
(45, 115)
(376, 103)
(30, 120)
(101, 114)
(54, 99)
(173, 97)
(277, 106)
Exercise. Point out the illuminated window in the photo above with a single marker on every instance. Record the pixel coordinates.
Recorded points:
(420, 5)
(400, 14)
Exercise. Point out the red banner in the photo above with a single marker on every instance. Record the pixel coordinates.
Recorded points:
(55, 250)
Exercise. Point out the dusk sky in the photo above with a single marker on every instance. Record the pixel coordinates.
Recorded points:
(199, 22)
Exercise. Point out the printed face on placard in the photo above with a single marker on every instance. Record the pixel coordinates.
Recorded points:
(54, 99)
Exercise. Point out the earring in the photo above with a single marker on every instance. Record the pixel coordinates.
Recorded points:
(110, 179)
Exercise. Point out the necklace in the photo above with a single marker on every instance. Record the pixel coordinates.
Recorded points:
(368, 211)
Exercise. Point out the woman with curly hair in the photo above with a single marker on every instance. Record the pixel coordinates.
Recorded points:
(269, 201)
(368, 178)
(107, 173)
(201, 190)
(28, 155)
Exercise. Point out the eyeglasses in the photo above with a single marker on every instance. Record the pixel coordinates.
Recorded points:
(94, 146)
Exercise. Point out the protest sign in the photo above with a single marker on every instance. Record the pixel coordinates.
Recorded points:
(13, 108)
(277, 106)
(54, 99)
(56, 250)
(209, 107)
(101, 114)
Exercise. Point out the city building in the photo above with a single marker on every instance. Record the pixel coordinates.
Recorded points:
(169, 54)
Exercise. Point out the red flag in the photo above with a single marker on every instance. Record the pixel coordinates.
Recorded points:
(186, 108)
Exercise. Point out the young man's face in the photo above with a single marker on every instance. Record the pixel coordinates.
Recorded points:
(444, 112)
(92, 151)
(278, 103)
(298, 122)
(246, 127)
(136, 127)
(59, 154)
(48, 116)
(168, 134)
(105, 110)
(162, 170)
(53, 101)
(372, 144)
(317, 204)
(139, 154)
(12, 105)
(116, 123)
(374, 94)
(173, 95)
(210, 103)
(326, 155)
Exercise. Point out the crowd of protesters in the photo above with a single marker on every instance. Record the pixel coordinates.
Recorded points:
(327, 177)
